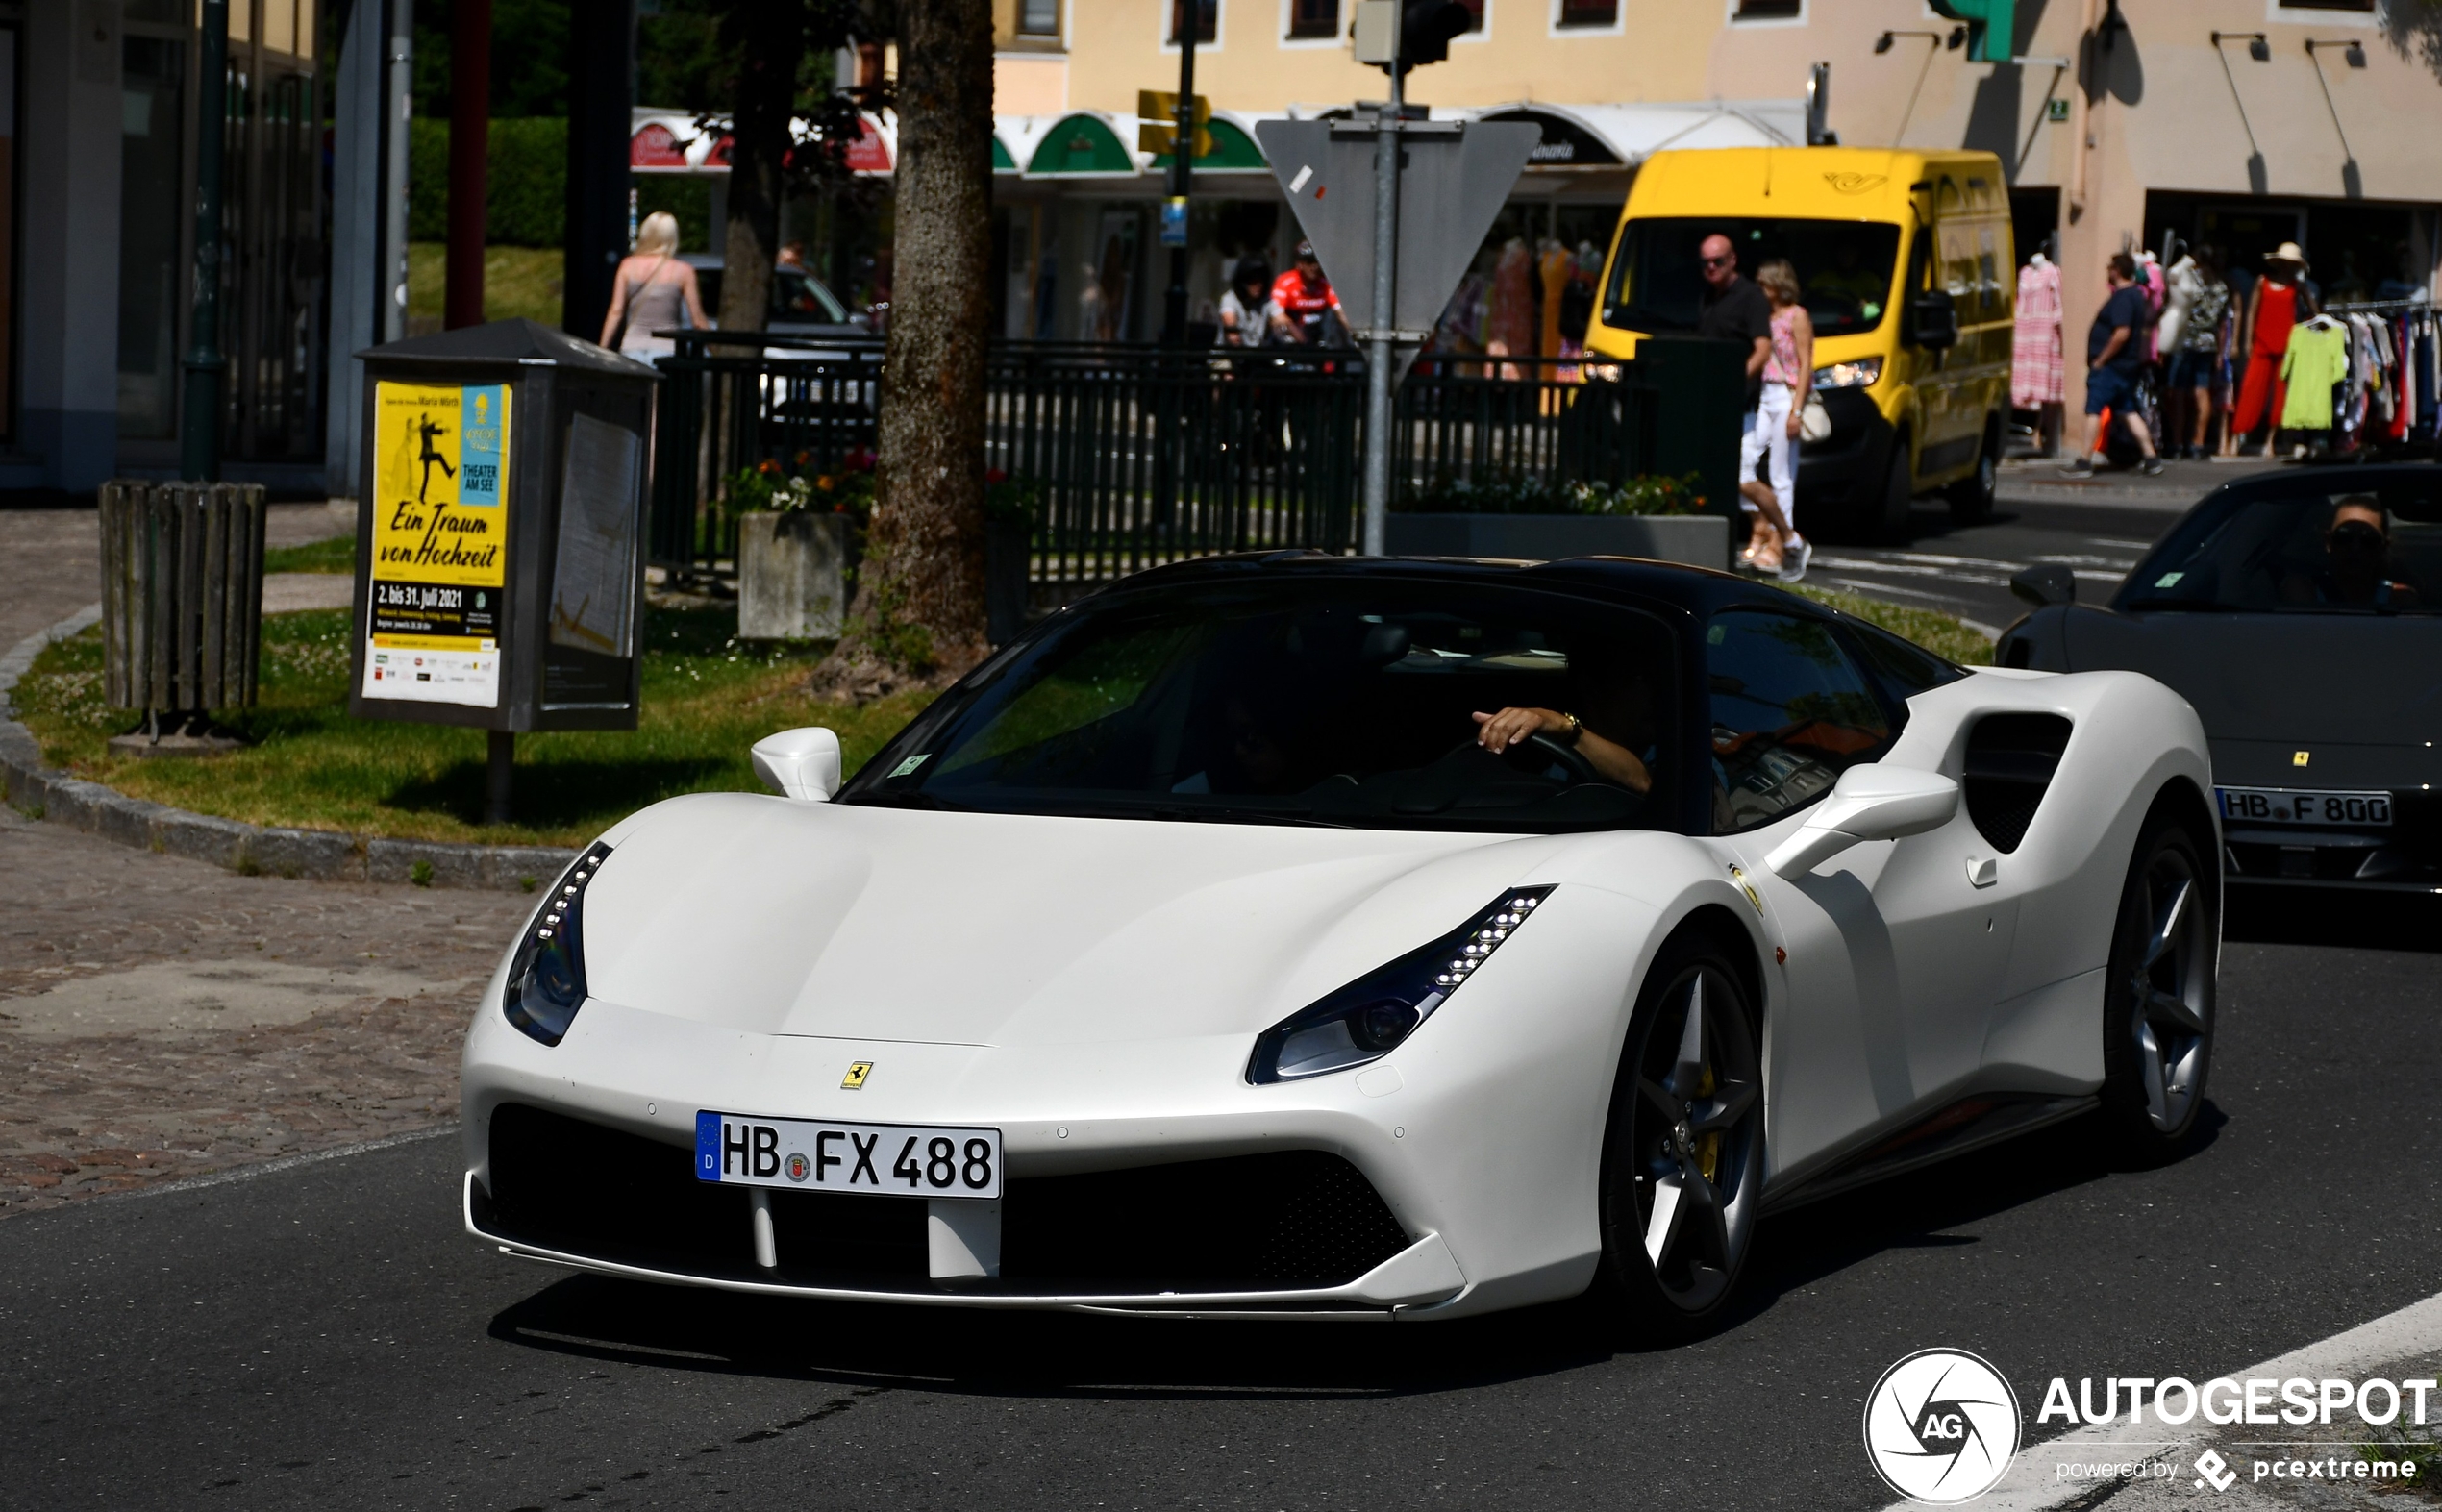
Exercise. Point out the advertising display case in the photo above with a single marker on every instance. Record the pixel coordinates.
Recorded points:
(500, 570)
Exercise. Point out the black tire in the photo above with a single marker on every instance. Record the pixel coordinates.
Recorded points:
(2158, 993)
(1892, 519)
(1682, 1159)
(1971, 498)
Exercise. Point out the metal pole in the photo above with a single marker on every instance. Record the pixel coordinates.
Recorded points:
(1174, 324)
(1381, 352)
(199, 428)
(470, 111)
(399, 94)
(500, 760)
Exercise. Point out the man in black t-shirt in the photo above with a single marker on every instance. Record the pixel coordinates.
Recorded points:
(2115, 359)
(1735, 310)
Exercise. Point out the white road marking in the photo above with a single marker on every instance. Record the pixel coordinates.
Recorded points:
(2031, 1484)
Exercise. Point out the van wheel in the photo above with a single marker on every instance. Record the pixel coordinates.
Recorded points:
(1892, 523)
(1971, 498)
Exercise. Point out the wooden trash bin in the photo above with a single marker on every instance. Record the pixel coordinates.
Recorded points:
(182, 601)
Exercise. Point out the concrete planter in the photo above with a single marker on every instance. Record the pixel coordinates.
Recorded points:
(1700, 540)
(791, 575)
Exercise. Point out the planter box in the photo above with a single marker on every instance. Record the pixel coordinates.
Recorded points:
(791, 575)
(1700, 540)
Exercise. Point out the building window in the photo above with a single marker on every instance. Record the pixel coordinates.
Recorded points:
(1313, 18)
(1208, 20)
(1767, 9)
(1475, 14)
(2362, 7)
(1038, 17)
(1589, 12)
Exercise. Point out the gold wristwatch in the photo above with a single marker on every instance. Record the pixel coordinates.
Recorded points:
(1577, 726)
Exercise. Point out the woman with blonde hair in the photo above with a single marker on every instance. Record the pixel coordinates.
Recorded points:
(652, 288)
(1788, 381)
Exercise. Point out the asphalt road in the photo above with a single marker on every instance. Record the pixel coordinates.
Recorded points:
(323, 1336)
(2098, 530)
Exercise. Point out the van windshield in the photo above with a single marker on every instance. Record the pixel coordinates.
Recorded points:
(1844, 266)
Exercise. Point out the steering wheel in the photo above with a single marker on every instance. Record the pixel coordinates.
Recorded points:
(1569, 759)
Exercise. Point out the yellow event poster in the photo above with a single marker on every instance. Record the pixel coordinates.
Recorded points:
(440, 542)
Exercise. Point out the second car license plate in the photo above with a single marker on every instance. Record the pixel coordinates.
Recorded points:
(883, 1159)
(2280, 805)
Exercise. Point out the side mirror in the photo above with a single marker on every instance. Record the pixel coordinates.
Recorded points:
(1934, 320)
(799, 763)
(1873, 802)
(2046, 582)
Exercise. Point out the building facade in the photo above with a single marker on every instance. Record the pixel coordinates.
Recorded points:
(2242, 122)
(98, 155)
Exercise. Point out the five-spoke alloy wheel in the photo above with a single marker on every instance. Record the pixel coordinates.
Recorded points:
(1683, 1168)
(2158, 1005)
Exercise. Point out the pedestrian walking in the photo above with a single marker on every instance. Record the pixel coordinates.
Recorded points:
(651, 291)
(1735, 309)
(1788, 381)
(2115, 360)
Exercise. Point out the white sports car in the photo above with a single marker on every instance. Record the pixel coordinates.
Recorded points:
(1299, 936)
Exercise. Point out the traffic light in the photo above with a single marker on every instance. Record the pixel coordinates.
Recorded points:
(1427, 28)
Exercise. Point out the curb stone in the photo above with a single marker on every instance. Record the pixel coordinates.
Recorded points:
(249, 850)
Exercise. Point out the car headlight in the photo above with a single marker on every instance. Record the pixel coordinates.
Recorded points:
(1859, 374)
(547, 971)
(1367, 1018)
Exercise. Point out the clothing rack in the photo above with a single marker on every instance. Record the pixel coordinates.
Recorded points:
(2380, 307)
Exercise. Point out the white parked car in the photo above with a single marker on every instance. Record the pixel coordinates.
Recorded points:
(1195, 955)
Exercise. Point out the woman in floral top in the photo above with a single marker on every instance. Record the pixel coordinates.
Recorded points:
(2203, 346)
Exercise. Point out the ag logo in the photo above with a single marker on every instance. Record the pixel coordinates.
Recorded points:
(1940, 1427)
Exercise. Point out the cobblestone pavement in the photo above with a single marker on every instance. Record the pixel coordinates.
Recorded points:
(51, 560)
(354, 1035)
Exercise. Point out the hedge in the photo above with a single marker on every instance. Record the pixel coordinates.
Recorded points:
(528, 173)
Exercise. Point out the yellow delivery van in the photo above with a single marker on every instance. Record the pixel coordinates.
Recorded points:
(1907, 267)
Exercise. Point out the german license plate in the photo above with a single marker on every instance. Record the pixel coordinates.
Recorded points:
(2281, 806)
(885, 1159)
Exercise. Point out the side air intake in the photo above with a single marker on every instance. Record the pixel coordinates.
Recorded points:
(2010, 760)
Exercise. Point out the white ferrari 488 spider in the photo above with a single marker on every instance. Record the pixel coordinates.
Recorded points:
(1301, 936)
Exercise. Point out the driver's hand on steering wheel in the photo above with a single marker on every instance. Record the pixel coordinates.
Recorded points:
(1497, 733)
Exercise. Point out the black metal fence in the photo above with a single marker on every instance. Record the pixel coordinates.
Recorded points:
(1138, 456)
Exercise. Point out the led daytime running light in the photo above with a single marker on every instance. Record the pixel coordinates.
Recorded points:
(547, 971)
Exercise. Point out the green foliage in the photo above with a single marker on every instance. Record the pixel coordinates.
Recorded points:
(1518, 494)
(847, 490)
(530, 58)
(337, 554)
(707, 699)
(526, 168)
(688, 199)
(517, 281)
(420, 874)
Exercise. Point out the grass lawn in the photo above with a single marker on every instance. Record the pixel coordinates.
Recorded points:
(337, 554)
(1938, 634)
(705, 699)
(517, 281)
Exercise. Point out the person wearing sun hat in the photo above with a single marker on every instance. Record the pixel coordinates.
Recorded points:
(2275, 306)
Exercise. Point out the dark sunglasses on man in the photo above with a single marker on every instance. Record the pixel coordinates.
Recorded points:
(2354, 536)
(1718, 262)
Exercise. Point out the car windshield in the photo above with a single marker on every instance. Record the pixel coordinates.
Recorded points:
(799, 295)
(1844, 268)
(1348, 701)
(2319, 549)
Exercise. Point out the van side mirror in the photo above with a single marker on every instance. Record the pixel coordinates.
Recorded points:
(2045, 583)
(799, 763)
(1873, 802)
(1932, 320)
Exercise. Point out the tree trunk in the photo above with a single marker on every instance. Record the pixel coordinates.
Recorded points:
(918, 620)
(773, 42)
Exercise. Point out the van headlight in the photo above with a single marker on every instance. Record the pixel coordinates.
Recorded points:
(1371, 1016)
(547, 970)
(1859, 373)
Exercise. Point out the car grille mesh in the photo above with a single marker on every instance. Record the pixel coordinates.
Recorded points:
(2010, 760)
(1290, 1220)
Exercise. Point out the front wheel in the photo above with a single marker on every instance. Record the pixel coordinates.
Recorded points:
(1682, 1167)
(2158, 1015)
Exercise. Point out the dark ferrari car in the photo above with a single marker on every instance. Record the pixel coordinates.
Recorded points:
(2301, 614)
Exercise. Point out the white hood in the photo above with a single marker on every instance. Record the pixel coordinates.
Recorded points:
(885, 924)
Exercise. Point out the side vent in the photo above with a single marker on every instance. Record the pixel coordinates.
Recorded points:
(2010, 760)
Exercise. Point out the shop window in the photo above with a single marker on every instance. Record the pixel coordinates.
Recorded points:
(1767, 9)
(2363, 6)
(1038, 17)
(1313, 18)
(8, 231)
(150, 270)
(1589, 12)
(1208, 20)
